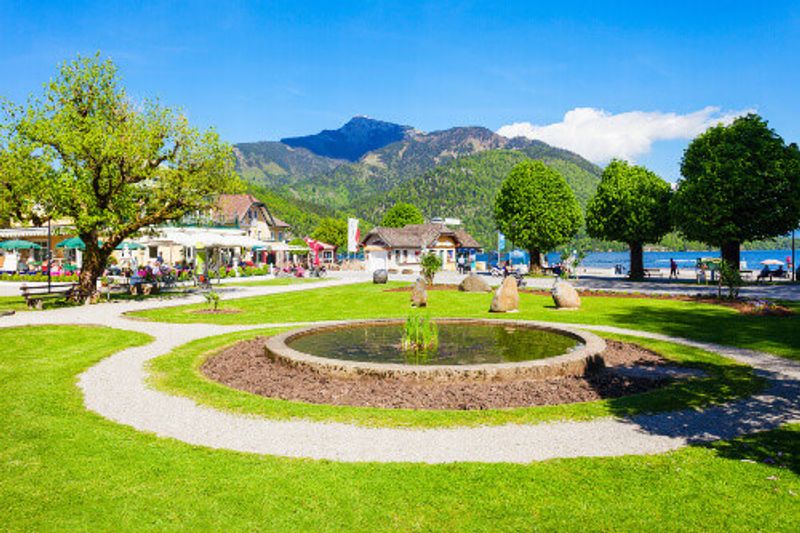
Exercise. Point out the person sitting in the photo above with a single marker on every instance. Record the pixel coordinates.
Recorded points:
(780, 273)
(764, 274)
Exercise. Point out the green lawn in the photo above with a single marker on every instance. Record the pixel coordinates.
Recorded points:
(179, 373)
(267, 282)
(63, 468)
(700, 321)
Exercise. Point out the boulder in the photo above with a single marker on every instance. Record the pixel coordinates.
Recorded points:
(565, 296)
(380, 276)
(506, 298)
(474, 283)
(419, 294)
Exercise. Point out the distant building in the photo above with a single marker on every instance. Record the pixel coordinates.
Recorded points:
(245, 211)
(401, 248)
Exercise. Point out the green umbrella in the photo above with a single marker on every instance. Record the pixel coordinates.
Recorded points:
(131, 246)
(17, 244)
(73, 243)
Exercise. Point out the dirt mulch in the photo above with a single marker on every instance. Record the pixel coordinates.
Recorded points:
(245, 367)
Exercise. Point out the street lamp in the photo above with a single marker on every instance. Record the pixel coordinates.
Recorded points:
(794, 263)
(40, 211)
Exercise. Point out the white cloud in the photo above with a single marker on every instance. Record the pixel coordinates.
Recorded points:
(599, 135)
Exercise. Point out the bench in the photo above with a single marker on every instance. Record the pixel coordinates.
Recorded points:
(35, 296)
(650, 272)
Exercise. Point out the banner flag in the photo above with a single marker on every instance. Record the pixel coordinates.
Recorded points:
(353, 235)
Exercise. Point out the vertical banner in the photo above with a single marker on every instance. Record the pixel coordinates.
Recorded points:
(353, 235)
(501, 242)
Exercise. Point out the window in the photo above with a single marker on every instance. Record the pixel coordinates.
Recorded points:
(152, 252)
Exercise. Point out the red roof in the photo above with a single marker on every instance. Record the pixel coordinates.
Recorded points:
(234, 207)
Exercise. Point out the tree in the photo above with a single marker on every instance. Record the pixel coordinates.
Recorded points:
(536, 209)
(401, 214)
(111, 166)
(631, 205)
(332, 231)
(740, 182)
(430, 263)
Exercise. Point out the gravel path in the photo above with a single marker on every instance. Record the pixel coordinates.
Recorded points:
(116, 389)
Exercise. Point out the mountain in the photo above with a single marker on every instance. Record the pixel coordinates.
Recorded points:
(453, 172)
(351, 141)
(270, 163)
(465, 188)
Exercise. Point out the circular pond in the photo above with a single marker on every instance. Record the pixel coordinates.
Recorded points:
(458, 344)
(464, 348)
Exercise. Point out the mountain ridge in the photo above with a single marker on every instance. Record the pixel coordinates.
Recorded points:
(301, 179)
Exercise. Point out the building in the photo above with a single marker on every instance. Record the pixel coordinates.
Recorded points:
(245, 211)
(402, 248)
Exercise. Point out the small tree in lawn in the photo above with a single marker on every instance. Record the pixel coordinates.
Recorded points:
(401, 214)
(332, 231)
(86, 152)
(631, 205)
(536, 209)
(431, 263)
(740, 182)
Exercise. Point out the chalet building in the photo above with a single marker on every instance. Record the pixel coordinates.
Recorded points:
(402, 248)
(245, 211)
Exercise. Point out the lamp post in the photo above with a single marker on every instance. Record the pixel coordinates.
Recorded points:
(49, 255)
(794, 264)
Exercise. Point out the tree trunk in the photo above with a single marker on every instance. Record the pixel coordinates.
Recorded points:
(94, 263)
(730, 253)
(535, 264)
(637, 261)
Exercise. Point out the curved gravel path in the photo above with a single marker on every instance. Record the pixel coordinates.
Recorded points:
(116, 389)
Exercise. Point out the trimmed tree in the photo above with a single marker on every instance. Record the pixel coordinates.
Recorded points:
(740, 182)
(332, 231)
(631, 205)
(536, 209)
(401, 214)
(109, 165)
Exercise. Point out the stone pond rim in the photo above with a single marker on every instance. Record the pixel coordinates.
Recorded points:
(584, 359)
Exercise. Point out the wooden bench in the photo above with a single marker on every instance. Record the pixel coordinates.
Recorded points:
(650, 272)
(35, 296)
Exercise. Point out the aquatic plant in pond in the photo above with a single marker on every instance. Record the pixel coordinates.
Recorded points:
(420, 334)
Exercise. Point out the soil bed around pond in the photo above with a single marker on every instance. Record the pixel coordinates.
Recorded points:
(243, 366)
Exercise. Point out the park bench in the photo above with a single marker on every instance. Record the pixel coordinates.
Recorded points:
(650, 272)
(35, 295)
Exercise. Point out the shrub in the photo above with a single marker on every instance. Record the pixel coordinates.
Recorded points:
(431, 264)
(731, 278)
(212, 299)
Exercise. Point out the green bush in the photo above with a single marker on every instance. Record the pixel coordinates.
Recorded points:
(431, 264)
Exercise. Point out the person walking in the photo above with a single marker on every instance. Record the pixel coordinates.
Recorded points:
(673, 269)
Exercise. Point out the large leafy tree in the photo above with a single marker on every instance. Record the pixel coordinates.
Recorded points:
(401, 214)
(332, 231)
(536, 209)
(740, 182)
(631, 205)
(86, 152)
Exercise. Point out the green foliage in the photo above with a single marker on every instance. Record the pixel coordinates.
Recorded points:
(421, 337)
(740, 182)
(631, 205)
(332, 231)
(466, 187)
(402, 214)
(212, 299)
(536, 209)
(110, 165)
(431, 263)
(730, 278)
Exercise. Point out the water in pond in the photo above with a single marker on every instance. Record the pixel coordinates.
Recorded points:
(459, 344)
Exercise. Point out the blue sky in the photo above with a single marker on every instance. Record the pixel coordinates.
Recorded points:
(272, 69)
